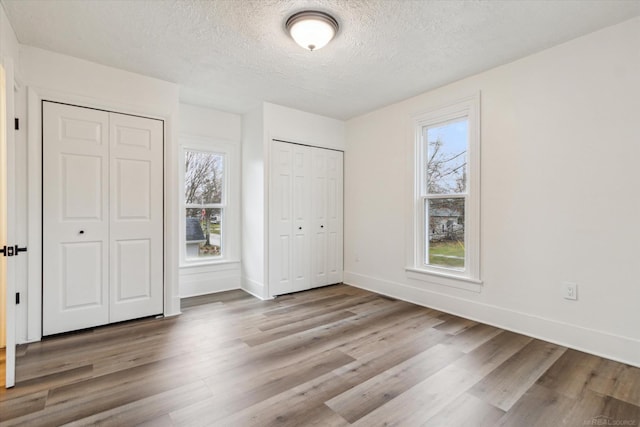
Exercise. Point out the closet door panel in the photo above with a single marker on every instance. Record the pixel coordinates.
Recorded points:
(334, 221)
(280, 219)
(301, 217)
(319, 215)
(75, 281)
(136, 217)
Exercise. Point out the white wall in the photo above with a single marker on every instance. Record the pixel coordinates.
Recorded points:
(253, 207)
(210, 128)
(560, 135)
(8, 41)
(301, 127)
(62, 78)
(260, 126)
(209, 123)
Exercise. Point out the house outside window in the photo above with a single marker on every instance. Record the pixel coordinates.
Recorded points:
(446, 195)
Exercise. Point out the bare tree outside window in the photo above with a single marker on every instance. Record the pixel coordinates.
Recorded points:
(204, 203)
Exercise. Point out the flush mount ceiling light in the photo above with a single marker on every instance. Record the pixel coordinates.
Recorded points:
(312, 29)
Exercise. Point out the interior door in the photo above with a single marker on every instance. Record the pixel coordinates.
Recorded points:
(75, 239)
(136, 219)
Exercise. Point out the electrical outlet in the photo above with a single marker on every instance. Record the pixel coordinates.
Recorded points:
(570, 290)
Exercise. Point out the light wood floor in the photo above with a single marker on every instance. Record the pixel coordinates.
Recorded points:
(335, 356)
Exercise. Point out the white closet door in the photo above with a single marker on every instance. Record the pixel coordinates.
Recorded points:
(319, 218)
(289, 260)
(301, 268)
(75, 218)
(136, 217)
(334, 237)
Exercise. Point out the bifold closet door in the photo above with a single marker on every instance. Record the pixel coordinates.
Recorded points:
(75, 218)
(102, 217)
(305, 217)
(289, 218)
(327, 217)
(136, 217)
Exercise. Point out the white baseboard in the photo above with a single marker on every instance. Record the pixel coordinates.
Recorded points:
(615, 347)
(204, 280)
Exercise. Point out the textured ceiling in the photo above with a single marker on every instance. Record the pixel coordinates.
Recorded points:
(233, 54)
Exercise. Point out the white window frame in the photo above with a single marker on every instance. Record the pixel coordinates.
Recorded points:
(469, 277)
(229, 231)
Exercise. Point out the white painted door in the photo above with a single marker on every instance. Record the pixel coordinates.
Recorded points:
(327, 207)
(136, 220)
(319, 215)
(301, 268)
(289, 262)
(75, 218)
(305, 217)
(334, 216)
(102, 217)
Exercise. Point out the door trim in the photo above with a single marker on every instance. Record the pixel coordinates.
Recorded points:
(11, 235)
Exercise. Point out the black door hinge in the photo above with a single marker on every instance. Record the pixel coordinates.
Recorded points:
(17, 298)
(16, 123)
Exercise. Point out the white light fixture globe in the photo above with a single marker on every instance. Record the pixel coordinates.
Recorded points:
(312, 29)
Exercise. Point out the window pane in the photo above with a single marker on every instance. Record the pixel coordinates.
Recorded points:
(203, 178)
(203, 235)
(447, 157)
(445, 232)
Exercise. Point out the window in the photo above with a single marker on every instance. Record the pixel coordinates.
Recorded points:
(446, 202)
(204, 204)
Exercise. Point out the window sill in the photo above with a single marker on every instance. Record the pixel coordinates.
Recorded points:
(445, 279)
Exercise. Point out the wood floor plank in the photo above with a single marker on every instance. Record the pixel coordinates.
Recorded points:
(153, 407)
(418, 327)
(627, 386)
(571, 374)
(423, 401)
(454, 325)
(299, 401)
(539, 407)
(493, 353)
(46, 382)
(295, 327)
(507, 383)
(466, 410)
(22, 405)
(348, 304)
(375, 392)
(597, 409)
(240, 390)
(473, 337)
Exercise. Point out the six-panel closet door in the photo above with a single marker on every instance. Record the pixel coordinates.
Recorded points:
(102, 217)
(305, 217)
(327, 210)
(289, 213)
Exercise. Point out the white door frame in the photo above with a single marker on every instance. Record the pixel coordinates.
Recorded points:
(35, 96)
(9, 162)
